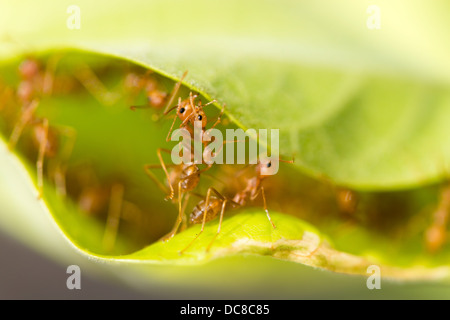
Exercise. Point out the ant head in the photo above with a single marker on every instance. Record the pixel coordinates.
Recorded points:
(269, 166)
(29, 68)
(200, 116)
(184, 109)
(263, 167)
(132, 80)
(188, 111)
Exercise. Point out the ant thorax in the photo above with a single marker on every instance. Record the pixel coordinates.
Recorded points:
(252, 184)
(32, 78)
(28, 69)
(26, 91)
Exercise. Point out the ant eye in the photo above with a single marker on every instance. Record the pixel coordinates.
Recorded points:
(200, 117)
(269, 164)
(182, 110)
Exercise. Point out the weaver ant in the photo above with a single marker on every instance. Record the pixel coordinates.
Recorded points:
(209, 208)
(135, 83)
(185, 176)
(106, 199)
(156, 98)
(436, 233)
(44, 136)
(186, 110)
(34, 82)
(97, 199)
(46, 139)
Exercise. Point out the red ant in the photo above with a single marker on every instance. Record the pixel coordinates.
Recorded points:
(94, 86)
(186, 110)
(97, 199)
(34, 84)
(436, 234)
(135, 83)
(47, 141)
(156, 98)
(185, 176)
(208, 209)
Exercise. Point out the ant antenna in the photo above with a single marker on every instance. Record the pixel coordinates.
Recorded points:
(174, 93)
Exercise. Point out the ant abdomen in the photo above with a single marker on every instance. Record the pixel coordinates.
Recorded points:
(156, 98)
(25, 91)
(190, 177)
(213, 209)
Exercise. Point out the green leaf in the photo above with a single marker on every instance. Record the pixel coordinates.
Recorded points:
(345, 98)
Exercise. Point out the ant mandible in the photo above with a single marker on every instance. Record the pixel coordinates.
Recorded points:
(46, 138)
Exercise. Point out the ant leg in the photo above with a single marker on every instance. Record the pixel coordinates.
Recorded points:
(25, 118)
(40, 162)
(191, 100)
(152, 176)
(173, 123)
(96, 88)
(212, 101)
(174, 93)
(181, 210)
(164, 167)
(224, 203)
(61, 166)
(207, 151)
(132, 85)
(6, 96)
(184, 221)
(197, 173)
(113, 219)
(185, 121)
(219, 117)
(261, 190)
(180, 214)
(435, 236)
(210, 176)
(208, 195)
(198, 195)
(204, 169)
(47, 86)
(71, 135)
(183, 124)
(265, 207)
